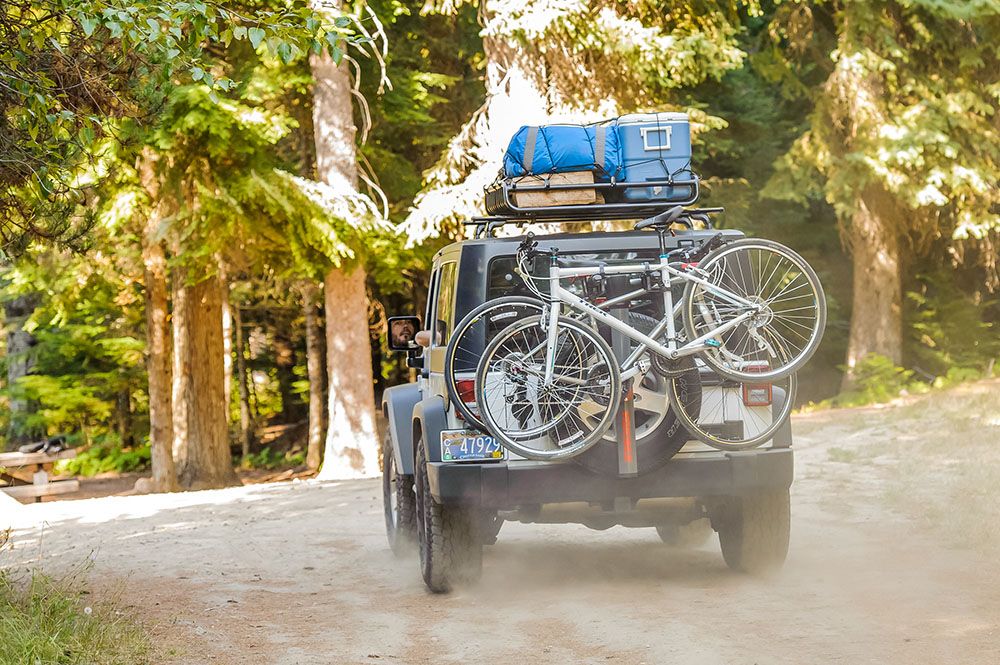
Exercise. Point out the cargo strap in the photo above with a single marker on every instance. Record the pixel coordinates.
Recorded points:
(529, 148)
(599, 147)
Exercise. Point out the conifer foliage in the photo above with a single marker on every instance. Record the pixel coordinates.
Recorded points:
(207, 209)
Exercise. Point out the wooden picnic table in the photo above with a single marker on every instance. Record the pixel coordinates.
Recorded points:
(27, 475)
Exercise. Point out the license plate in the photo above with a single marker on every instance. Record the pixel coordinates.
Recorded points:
(469, 446)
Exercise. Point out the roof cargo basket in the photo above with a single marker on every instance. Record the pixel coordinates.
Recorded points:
(502, 199)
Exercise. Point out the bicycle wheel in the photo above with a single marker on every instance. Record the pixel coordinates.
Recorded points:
(551, 421)
(733, 415)
(467, 343)
(787, 304)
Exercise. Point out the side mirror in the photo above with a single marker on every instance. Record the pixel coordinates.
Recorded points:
(402, 332)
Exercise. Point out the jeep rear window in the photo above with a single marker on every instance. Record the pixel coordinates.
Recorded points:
(504, 282)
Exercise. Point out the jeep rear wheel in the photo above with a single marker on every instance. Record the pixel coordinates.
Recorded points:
(398, 503)
(754, 530)
(451, 550)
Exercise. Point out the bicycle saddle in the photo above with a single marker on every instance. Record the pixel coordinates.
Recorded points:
(661, 221)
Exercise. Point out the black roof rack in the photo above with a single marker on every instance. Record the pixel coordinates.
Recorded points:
(583, 214)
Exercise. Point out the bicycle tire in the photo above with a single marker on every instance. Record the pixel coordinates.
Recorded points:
(576, 445)
(457, 347)
(708, 409)
(695, 293)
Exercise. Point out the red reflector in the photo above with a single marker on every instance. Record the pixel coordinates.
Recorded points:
(466, 390)
(757, 394)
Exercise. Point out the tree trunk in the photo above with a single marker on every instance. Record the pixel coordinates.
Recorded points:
(123, 418)
(227, 340)
(181, 377)
(202, 454)
(158, 351)
(246, 425)
(161, 427)
(284, 365)
(877, 310)
(314, 365)
(351, 441)
(19, 363)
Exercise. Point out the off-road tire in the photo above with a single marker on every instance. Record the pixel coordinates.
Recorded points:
(754, 530)
(451, 550)
(686, 536)
(401, 528)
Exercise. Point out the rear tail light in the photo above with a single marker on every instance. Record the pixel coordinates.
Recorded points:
(758, 394)
(466, 390)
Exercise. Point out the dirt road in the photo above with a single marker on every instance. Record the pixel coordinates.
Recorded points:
(299, 573)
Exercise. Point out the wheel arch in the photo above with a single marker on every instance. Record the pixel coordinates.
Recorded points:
(398, 404)
(430, 418)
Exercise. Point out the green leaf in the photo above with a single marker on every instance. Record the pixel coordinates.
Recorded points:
(89, 24)
(342, 21)
(336, 53)
(172, 53)
(256, 36)
(285, 52)
(197, 73)
(240, 32)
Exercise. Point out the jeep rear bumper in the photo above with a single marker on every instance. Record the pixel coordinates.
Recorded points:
(504, 486)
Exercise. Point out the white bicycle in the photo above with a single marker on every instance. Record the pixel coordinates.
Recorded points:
(752, 312)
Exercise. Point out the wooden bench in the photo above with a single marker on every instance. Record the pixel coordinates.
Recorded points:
(27, 475)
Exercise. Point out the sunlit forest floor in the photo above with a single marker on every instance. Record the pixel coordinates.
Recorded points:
(891, 561)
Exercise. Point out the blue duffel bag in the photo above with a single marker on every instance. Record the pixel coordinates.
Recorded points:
(564, 148)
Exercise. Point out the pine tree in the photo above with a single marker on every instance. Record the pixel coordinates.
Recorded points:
(902, 140)
(352, 441)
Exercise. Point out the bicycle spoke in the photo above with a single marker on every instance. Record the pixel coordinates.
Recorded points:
(781, 325)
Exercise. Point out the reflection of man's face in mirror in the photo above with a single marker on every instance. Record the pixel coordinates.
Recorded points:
(403, 332)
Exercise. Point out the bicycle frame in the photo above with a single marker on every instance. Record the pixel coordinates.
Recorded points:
(560, 296)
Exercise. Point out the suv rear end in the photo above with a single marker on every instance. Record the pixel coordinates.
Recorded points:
(459, 506)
